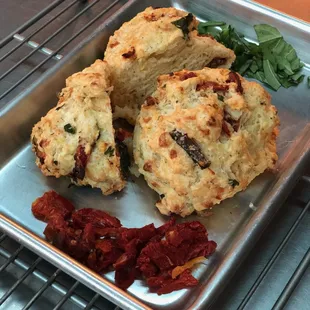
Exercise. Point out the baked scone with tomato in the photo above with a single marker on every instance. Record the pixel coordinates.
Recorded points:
(202, 137)
(156, 42)
(76, 138)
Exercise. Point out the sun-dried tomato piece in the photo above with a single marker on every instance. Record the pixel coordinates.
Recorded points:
(114, 232)
(161, 230)
(191, 147)
(147, 268)
(122, 134)
(234, 77)
(95, 238)
(227, 129)
(129, 257)
(55, 231)
(185, 231)
(97, 217)
(143, 234)
(187, 76)
(188, 265)
(89, 236)
(157, 252)
(216, 87)
(235, 123)
(50, 205)
(150, 101)
(130, 54)
(216, 62)
(124, 277)
(81, 159)
(106, 253)
(185, 280)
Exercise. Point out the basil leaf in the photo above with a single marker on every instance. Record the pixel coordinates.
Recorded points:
(210, 23)
(295, 64)
(254, 66)
(259, 75)
(266, 33)
(70, 129)
(233, 183)
(283, 64)
(289, 53)
(279, 46)
(245, 67)
(183, 24)
(109, 151)
(270, 75)
(273, 61)
(286, 83)
(297, 77)
(209, 30)
(220, 97)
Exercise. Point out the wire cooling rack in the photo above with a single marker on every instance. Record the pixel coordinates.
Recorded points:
(41, 41)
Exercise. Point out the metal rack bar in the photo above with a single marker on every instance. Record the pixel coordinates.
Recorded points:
(46, 41)
(30, 22)
(91, 303)
(273, 258)
(42, 289)
(58, 49)
(23, 39)
(20, 280)
(11, 259)
(66, 296)
(57, 286)
(293, 282)
(3, 236)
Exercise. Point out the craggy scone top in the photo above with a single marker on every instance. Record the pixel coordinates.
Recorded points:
(76, 138)
(156, 42)
(203, 136)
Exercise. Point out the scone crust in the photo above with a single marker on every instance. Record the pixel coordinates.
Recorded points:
(231, 119)
(76, 138)
(149, 45)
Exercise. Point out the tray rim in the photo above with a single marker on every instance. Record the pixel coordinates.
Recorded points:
(101, 285)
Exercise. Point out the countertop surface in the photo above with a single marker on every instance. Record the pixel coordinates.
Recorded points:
(296, 8)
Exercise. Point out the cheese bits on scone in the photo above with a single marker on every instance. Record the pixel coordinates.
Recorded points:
(76, 138)
(203, 136)
(155, 42)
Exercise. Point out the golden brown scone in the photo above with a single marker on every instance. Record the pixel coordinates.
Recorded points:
(202, 137)
(76, 138)
(150, 45)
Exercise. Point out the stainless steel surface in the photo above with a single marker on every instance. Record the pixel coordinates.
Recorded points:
(293, 282)
(234, 225)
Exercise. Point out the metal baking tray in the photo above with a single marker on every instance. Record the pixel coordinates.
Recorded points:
(236, 223)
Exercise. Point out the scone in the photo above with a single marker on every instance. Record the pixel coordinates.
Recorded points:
(202, 137)
(155, 42)
(76, 138)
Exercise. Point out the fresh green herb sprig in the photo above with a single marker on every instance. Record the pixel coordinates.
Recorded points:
(273, 61)
(183, 24)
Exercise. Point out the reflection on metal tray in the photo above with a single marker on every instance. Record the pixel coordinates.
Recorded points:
(235, 226)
